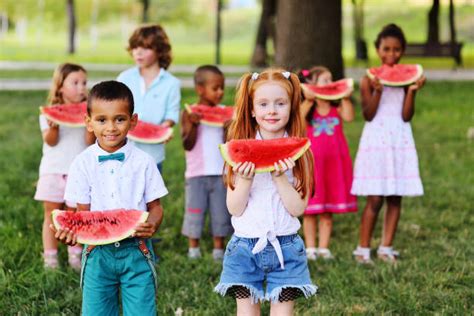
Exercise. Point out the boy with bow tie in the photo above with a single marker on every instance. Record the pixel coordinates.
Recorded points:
(113, 174)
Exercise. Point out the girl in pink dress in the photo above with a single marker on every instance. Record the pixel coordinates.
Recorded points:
(333, 165)
(386, 165)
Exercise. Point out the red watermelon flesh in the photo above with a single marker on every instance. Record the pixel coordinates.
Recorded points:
(263, 153)
(212, 115)
(332, 91)
(149, 133)
(99, 227)
(397, 75)
(71, 115)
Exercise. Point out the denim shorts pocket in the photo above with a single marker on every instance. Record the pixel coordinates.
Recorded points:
(231, 248)
(297, 246)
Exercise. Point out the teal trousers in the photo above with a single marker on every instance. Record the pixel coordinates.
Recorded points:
(120, 266)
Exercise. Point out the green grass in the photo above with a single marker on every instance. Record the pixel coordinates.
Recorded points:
(435, 233)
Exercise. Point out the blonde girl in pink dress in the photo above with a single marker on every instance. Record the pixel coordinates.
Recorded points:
(332, 163)
(386, 165)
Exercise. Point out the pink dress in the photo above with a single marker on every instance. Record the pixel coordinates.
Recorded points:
(332, 166)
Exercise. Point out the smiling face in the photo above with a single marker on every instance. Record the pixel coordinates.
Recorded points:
(110, 120)
(212, 91)
(390, 50)
(271, 109)
(144, 57)
(74, 88)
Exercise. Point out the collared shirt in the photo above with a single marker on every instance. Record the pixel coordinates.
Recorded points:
(57, 159)
(265, 216)
(159, 103)
(114, 184)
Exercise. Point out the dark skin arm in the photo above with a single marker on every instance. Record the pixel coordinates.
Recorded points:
(371, 91)
(409, 103)
(189, 125)
(51, 135)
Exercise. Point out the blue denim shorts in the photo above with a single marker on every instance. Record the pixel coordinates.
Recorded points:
(243, 268)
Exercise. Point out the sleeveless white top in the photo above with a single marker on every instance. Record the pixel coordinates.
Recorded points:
(204, 159)
(265, 217)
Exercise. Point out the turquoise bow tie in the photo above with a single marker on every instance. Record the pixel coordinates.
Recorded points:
(117, 156)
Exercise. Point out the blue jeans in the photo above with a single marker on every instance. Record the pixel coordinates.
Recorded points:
(243, 268)
(117, 266)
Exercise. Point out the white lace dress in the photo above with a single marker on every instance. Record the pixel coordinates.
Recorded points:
(386, 162)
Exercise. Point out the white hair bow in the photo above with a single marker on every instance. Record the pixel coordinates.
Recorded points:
(254, 76)
(286, 74)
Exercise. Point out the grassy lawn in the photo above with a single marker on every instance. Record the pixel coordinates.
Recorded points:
(435, 233)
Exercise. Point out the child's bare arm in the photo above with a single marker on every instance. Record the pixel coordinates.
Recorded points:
(371, 92)
(155, 217)
(346, 109)
(409, 103)
(168, 123)
(308, 102)
(51, 135)
(189, 124)
(291, 198)
(238, 198)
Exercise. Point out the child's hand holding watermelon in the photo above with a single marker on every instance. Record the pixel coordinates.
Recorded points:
(245, 170)
(418, 84)
(65, 236)
(283, 166)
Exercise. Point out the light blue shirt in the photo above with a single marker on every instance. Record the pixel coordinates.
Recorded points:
(160, 102)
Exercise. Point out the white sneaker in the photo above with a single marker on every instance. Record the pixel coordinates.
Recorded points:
(194, 253)
(325, 253)
(218, 254)
(312, 253)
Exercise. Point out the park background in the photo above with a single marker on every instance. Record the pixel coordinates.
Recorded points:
(435, 236)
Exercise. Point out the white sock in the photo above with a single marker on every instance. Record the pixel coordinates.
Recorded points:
(194, 252)
(217, 253)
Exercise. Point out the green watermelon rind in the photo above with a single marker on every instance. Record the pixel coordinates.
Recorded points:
(350, 88)
(59, 122)
(98, 242)
(157, 140)
(230, 162)
(417, 76)
(203, 121)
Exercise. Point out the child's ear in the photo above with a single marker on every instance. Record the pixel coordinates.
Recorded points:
(88, 120)
(133, 121)
(200, 89)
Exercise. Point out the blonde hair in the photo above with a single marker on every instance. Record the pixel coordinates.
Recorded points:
(244, 126)
(60, 74)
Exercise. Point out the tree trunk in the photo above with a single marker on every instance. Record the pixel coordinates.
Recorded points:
(71, 13)
(433, 23)
(218, 32)
(308, 33)
(266, 29)
(358, 19)
(146, 6)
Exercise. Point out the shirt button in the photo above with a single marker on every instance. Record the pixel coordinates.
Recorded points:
(117, 244)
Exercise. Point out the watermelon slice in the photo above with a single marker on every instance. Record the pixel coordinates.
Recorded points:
(332, 91)
(71, 115)
(99, 227)
(149, 133)
(212, 115)
(397, 75)
(263, 153)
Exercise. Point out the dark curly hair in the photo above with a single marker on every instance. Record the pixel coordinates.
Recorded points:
(154, 37)
(391, 30)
